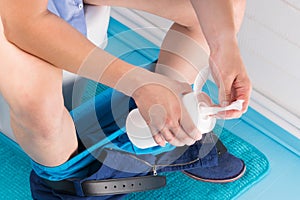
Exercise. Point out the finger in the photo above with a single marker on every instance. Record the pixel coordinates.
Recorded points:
(242, 91)
(225, 91)
(188, 126)
(245, 105)
(179, 133)
(158, 138)
(156, 116)
(247, 98)
(170, 137)
(230, 114)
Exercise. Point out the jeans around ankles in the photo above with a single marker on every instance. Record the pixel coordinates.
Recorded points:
(117, 164)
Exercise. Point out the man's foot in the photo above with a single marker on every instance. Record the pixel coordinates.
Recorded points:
(229, 168)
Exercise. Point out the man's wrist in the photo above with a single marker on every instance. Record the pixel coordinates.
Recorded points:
(226, 40)
(136, 78)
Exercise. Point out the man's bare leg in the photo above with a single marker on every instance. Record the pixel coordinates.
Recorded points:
(33, 90)
(41, 124)
(185, 35)
(189, 40)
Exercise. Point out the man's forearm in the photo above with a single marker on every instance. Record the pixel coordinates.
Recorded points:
(48, 37)
(217, 20)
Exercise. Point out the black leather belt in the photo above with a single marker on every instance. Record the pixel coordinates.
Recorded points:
(110, 186)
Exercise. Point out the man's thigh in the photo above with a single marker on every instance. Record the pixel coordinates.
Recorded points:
(22, 74)
(180, 11)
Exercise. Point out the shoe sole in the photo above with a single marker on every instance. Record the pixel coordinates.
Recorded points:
(217, 180)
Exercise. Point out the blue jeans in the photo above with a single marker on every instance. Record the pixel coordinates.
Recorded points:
(118, 164)
(119, 158)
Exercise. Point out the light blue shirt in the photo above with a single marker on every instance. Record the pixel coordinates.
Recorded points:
(72, 11)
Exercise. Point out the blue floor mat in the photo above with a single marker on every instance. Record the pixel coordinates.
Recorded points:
(15, 168)
(15, 165)
(14, 171)
(179, 185)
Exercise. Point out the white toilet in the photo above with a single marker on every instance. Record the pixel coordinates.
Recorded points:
(97, 18)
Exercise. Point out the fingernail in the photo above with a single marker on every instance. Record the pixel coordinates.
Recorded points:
(158, 139)
(163, 144)
(160, 142)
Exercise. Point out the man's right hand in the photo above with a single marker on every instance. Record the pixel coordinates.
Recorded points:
(161, 106)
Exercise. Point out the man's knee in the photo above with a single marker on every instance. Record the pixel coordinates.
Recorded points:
(190, 20)
(39, 112)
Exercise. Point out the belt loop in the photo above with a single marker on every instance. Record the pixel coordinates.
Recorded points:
(78, 188)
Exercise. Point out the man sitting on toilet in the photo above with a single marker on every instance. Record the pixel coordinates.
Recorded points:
(41, 38)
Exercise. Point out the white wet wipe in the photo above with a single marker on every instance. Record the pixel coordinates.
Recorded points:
(205, 110)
